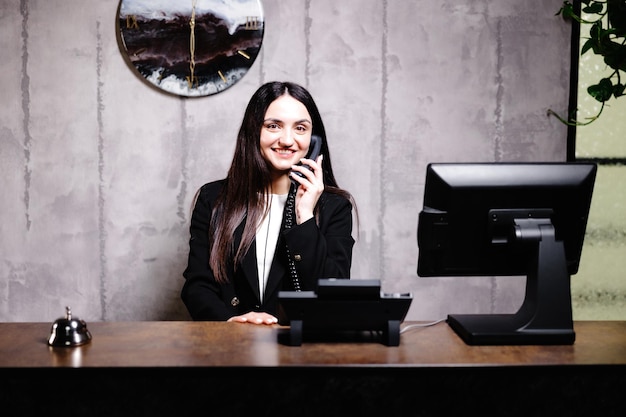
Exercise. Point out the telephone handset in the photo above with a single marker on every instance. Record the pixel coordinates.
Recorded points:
(314, 151)
(315, 147)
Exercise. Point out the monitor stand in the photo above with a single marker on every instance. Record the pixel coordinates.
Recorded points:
(545, 317)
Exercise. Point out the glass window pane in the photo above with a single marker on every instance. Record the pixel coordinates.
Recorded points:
(599, 287)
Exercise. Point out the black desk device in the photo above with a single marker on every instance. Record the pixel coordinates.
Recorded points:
(344, 305)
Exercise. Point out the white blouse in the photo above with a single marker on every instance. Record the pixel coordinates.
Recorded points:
(267, 238)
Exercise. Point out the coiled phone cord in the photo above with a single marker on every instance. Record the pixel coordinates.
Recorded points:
(289, 213)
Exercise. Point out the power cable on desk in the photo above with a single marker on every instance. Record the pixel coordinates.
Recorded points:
(411, 326)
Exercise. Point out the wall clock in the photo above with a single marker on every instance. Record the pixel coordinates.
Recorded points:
(191, 48)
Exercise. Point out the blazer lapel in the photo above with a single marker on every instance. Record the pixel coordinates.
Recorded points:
(248, 264)
(249, 268)
(277, 271)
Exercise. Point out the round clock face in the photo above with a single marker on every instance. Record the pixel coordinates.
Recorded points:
(191, 48)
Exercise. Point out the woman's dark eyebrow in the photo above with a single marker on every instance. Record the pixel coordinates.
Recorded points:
(271, 119)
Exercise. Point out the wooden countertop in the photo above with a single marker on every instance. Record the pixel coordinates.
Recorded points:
(220, 344)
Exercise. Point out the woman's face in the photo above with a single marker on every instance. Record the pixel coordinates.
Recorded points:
(285, 134)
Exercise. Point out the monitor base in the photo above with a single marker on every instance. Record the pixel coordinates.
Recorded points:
(505, 329)
(545, 317)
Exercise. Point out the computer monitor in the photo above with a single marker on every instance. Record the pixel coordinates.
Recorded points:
(508, 219)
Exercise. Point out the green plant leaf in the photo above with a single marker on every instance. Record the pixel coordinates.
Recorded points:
(601, 91)
(567, 11)
(595, 36)
(595, 8)
(615, 57)
(587, 46)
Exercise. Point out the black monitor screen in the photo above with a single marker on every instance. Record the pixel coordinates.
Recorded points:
(487, 219)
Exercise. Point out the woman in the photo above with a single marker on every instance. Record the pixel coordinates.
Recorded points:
(265, 229)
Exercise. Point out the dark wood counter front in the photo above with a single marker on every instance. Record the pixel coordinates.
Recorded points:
(175, 368)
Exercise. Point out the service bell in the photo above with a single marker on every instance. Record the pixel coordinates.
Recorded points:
(68, 331)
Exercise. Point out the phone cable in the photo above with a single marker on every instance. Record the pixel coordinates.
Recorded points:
(289, 213)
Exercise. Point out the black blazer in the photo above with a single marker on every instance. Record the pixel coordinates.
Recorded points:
(321, 250)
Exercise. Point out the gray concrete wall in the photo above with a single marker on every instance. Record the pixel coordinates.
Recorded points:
(99, 170)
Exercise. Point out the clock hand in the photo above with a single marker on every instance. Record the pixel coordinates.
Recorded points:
(192, 46)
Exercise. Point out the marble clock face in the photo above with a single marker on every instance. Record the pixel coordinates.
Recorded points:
(191, 48)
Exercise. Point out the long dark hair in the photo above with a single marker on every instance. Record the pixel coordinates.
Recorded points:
(248, 181)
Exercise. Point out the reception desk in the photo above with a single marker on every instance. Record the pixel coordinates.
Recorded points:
(217, 368)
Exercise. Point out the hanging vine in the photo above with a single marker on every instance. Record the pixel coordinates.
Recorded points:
(606, 39)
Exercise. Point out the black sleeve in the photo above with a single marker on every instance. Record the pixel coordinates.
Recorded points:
(323, 250)
(202, 294)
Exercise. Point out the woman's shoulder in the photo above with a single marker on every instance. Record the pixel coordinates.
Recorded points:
(335, 199)
(211, 190)
(213, 185)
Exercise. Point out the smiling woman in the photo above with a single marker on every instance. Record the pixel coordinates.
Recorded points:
(263, 229)
(193, 48)
(285, 136)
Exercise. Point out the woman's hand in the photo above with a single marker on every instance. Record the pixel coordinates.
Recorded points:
(254, 317)
(310, 189)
